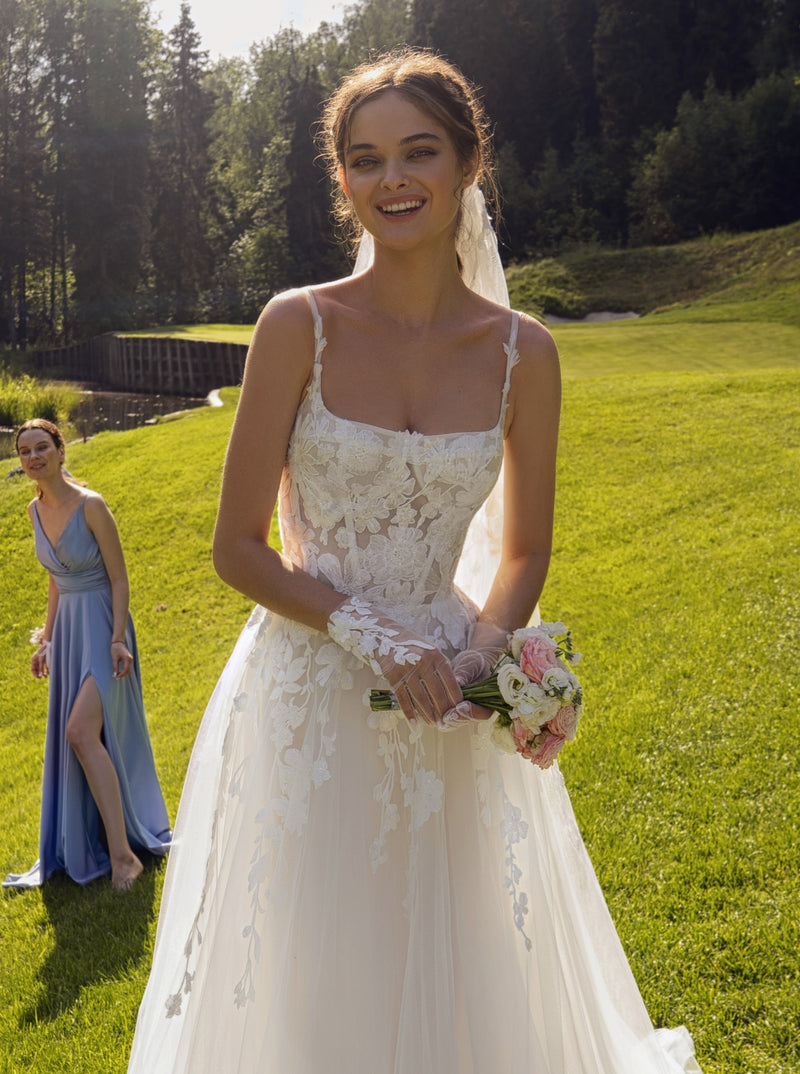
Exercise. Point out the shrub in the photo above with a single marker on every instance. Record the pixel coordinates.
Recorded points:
(23, 397)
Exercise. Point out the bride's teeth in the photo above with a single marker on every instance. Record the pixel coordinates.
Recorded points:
(402, 207)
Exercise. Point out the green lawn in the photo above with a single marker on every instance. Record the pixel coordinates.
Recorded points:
(676, 564)
(650, 345)
(218, 333)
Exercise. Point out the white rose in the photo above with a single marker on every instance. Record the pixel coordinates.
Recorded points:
(530, 699)
(560, 681)
(503, 739)
(536, 707)
(512, 683)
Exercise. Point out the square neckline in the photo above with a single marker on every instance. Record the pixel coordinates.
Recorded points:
(320, 342)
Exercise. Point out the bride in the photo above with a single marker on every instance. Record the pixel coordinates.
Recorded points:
(352, 892)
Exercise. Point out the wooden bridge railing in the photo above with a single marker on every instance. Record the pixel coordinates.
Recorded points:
(159, 365)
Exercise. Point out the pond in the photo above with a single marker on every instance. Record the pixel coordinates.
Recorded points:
(101, 410)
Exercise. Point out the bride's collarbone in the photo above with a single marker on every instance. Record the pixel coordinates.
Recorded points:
(427, 398)
(441, 381)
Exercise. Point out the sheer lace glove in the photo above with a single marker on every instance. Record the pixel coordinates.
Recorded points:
(486, 643)
(419, 674)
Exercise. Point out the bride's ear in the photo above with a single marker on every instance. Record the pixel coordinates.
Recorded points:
(343, 181)
(469, 172)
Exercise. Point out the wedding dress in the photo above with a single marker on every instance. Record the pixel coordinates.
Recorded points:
(347, 894)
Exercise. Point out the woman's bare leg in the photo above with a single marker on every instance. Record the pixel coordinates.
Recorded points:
(84, 727)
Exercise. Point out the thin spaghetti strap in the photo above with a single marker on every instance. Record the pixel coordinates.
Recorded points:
(319, 338)
(512, 354)
(512, 336)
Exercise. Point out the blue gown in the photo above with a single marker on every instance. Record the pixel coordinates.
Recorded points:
(70, 832)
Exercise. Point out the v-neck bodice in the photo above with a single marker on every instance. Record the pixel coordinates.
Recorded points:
(74, 561)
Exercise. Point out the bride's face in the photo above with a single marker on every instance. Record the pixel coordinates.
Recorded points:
(401, 173)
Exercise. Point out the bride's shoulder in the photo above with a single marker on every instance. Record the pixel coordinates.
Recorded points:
(538, 353)
(534, 345)
(285, 327)
(286, 309)
(536, 377)
(296, 305)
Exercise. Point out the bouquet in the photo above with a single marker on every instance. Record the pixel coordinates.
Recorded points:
(537, 699)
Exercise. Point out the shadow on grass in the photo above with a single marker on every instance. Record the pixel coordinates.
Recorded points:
(98, 934)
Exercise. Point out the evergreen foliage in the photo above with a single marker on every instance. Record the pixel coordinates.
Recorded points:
(728, 163)
(140, 182)
(181, 203)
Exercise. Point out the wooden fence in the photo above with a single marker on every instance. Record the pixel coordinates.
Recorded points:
(158, 365)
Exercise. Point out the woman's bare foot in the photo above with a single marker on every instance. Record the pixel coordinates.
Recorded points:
(124, 874)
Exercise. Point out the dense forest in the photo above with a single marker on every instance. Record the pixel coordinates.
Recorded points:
(141, 183)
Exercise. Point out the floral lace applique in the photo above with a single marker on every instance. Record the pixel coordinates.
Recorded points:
(174, 1002)
(483, 753)
(514, 829)
(358, 628)
(378, 513)
(293, 703)
(402, 750)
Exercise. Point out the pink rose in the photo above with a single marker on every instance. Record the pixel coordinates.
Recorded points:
(565, 722)
(522, 736)
(538, 654)
(547, 749)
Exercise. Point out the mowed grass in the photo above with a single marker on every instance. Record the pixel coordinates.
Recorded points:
(218, 333)
(629, 348)
(676, 565)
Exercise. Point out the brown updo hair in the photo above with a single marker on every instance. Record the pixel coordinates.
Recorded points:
(431, 84)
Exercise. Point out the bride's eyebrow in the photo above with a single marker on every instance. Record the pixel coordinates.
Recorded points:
(423, 136)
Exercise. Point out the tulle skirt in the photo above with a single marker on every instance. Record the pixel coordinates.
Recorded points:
(348, 895)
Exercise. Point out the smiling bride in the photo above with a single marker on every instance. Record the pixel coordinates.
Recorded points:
(359, 892)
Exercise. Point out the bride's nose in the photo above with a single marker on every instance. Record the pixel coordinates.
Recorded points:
(394, 176)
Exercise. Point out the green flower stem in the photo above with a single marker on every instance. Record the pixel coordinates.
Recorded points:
(482, 693)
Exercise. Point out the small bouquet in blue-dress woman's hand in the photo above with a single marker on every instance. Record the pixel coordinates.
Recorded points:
(537, 698)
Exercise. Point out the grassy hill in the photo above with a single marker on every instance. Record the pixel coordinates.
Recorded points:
(752, 277)
(675, 563)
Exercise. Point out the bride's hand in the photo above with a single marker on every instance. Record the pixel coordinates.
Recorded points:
(418, 672)
(464, 712)
(427, 690)
(485, 645)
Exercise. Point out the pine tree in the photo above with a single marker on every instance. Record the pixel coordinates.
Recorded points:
(179, 245)
(22, 170)
(109, 134)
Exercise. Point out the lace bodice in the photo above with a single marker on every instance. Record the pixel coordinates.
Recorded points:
(381, 513)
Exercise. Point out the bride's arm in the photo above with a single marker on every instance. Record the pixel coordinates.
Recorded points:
(277, 372)
(529, 480)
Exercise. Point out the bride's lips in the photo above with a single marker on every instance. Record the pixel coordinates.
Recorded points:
(400, 207)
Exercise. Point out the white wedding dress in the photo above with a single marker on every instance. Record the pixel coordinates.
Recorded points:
(345, 894)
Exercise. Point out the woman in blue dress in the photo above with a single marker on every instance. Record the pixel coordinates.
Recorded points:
(101, 799)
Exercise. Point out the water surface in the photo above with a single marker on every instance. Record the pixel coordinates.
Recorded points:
(99, 411)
